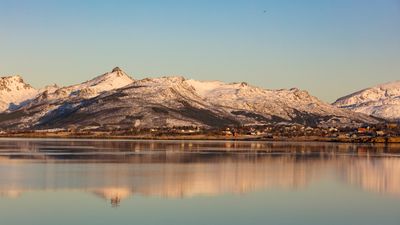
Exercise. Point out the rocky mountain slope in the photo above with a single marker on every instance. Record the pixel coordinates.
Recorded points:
(380, 101)
(14, 91)
(114, 100)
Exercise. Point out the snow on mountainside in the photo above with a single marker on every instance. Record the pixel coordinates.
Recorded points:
(14, 91)
(108, 81)
(381, 101)
(113, 100)
(289, 105)
(52, 98)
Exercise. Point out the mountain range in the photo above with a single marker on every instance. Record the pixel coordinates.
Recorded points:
(115, 100)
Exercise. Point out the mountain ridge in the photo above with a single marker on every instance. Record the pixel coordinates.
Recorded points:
(116, 101)
(382, 101)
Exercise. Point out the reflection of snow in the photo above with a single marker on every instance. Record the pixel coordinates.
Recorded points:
(117, 181)
(377, 175)
(10, 193)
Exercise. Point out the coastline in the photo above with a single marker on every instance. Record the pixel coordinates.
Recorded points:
(201, 137)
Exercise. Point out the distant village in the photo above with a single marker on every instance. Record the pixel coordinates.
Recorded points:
(380, 133)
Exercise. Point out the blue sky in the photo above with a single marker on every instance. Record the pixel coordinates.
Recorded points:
(328, 47)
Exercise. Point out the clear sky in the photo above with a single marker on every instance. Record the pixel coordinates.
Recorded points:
(328, 47)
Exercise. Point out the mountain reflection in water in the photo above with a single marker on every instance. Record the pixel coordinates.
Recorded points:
(116, 170)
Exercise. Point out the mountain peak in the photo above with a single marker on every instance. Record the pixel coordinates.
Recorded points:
(118, 72)
(108, 81)
(16, 78)
(116, 69)
(88, 89)
(116, 75)
(10, 83)
(13, 91)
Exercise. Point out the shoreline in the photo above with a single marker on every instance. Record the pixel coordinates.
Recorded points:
(204, 137)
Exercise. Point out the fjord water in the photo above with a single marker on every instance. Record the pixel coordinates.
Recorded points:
(50, 181)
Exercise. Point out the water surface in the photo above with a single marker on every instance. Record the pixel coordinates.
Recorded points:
(197, 182)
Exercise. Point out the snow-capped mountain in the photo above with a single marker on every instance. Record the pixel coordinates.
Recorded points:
(289, 105)
(114, 100)
(108, 81)
(54, 99)
(14, 91)
(380, 101)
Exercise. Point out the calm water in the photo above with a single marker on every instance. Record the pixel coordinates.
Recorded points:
(196, 182)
